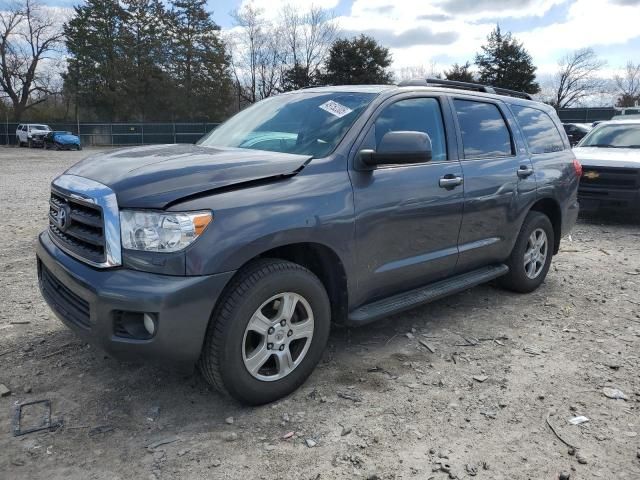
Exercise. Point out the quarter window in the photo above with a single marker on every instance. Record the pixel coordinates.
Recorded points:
(539, 130)
(418, 115)
(484, 131)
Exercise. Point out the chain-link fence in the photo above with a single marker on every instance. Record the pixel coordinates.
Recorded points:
(113, 134)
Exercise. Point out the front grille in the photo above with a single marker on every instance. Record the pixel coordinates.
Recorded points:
(610, 178)
(77, 227)
(62, 299)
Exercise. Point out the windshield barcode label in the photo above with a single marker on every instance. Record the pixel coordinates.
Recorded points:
(335, 108)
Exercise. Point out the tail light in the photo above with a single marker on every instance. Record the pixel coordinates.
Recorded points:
(578, 167)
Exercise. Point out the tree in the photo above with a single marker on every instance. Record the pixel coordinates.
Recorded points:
(308, 36)
(199, 62)
(460, 73)
(29, 37)
(504, 62)
(577, 78)
(628, 85)
(97, 61)
(360, 60)
(257, 58)
(146, 84)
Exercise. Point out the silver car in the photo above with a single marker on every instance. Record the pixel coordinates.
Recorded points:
(610, 158)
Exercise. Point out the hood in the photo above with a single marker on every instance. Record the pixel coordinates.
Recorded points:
(608, 157)
(67, 138)
(157, 175)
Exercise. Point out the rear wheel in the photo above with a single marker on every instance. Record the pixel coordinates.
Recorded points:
(531, 256)
(267, 333)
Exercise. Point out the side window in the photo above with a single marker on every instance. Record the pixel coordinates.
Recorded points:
(418, 115)
(540, 132)
(484, 131)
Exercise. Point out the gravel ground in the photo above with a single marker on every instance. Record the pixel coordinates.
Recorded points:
(505, 370)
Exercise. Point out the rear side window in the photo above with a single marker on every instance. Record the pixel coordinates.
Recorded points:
(484, 131)
(540, 132)
(418, 115)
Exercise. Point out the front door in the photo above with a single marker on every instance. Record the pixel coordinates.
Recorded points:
(407, 224)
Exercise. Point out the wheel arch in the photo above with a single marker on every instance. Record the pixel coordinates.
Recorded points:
(323, 262)
(551, 208)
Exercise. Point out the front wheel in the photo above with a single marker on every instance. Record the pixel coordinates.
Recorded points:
(267, 333)
(531, 256)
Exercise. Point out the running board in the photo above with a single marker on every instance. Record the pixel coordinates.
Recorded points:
(406, 300)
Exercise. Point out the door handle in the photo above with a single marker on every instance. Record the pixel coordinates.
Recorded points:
(450, 181)
(525, 171)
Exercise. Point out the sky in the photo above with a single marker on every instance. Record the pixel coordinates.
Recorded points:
(440, 32)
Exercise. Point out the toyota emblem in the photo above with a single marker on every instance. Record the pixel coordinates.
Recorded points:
(62, 218)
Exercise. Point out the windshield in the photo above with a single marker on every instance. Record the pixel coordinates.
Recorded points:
(621, 135)
(304, 123)
(39, 127)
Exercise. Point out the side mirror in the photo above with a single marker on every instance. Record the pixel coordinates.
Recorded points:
(398, 148)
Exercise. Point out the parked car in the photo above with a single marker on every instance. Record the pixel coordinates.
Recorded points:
(576, 132)
(31, 134)
(344, 204)
(61, 140)
(610, 155)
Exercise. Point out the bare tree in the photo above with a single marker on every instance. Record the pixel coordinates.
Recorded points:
(628, 85)
(308, 37)
(29, 38)
(577, 78)
(256, 54)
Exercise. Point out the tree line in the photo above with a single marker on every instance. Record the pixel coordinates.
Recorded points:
(154, 60)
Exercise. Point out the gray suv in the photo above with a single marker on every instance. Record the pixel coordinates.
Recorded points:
(334, 204)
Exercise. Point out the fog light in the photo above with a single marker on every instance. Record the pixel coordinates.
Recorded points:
(149, 324)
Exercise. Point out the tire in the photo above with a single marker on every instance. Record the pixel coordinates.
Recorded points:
(225, 360)
(521, 277)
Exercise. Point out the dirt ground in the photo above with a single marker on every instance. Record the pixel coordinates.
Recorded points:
(379, 406)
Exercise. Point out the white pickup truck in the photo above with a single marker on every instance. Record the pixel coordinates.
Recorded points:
(31, 134)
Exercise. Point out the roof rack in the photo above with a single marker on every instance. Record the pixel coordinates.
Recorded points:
(476, 87)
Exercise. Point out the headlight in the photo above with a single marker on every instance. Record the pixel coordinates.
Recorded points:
(161, 231)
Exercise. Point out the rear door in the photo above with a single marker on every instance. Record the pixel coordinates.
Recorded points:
(407, 224)
(498, 180)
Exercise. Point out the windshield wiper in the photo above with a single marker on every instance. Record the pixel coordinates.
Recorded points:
(601, 145)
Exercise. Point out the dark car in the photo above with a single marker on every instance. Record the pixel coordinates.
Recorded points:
(344, 204)
(575, 132)
(62, 140)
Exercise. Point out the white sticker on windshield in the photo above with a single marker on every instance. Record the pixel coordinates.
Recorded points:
(335, 108)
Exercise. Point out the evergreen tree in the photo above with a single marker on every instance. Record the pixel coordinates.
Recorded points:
(199, 63)
(96, 65)
(460, 73)
(504, 62)
(360, 60)
(147, 85)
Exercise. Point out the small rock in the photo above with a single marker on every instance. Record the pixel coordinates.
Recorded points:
(345, 431)
(182, 453)
(432, 451)
(285, 417)
(614, 393)
(581, 458)
(288, 435)
(230, 436)
(564, 476)
(4, 390)
(480, 378)
(310, 442)
(409, 335)
(216, 463)
(471, 469)
(572, 451)
(229, 420)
